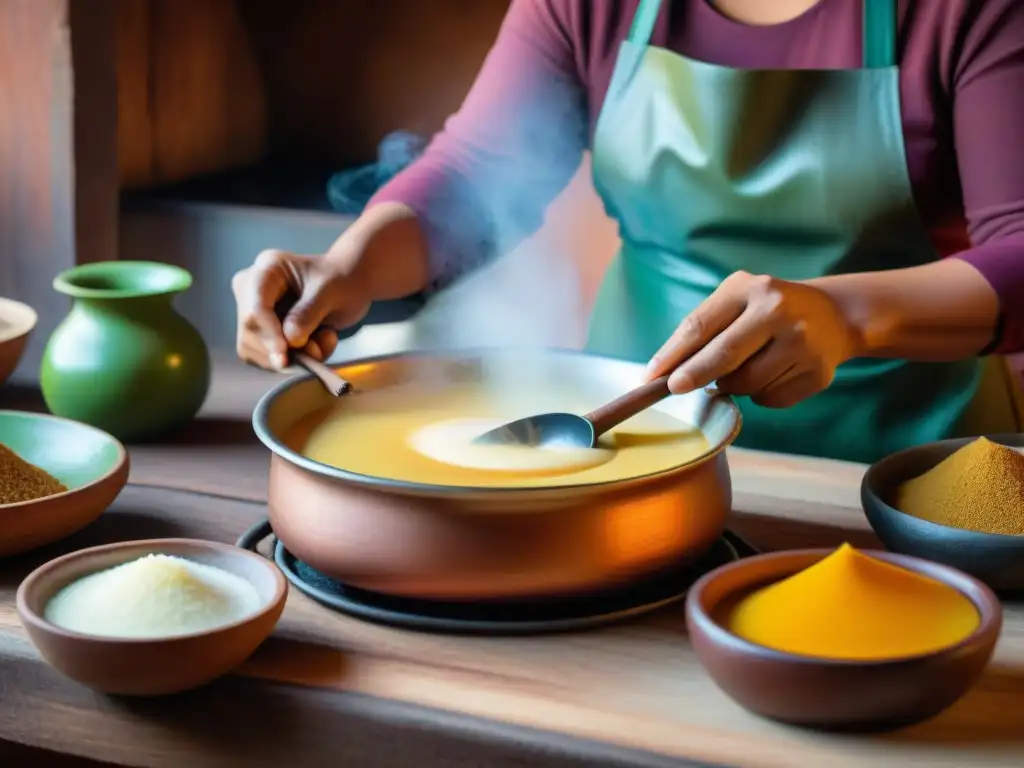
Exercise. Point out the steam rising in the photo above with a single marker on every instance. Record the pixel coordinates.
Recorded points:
(502, 169)
(529, 300)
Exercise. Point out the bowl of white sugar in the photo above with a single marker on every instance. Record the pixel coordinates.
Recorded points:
(148, 618)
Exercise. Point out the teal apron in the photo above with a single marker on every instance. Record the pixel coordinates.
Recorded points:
(797, 174)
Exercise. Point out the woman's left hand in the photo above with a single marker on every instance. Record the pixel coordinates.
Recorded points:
(777, 341)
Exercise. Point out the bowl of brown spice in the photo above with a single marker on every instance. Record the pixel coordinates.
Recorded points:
(16, 323)
(956, 502)
(56, 477)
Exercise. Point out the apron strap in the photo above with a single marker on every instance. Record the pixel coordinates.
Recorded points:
(879, 34)
(643, 22)
(632, 53)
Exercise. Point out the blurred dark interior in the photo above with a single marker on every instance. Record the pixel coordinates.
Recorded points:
(259, 101)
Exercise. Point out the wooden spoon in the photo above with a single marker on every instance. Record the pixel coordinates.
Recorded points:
(332, 382)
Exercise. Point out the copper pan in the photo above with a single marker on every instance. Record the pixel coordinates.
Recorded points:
(461, 543)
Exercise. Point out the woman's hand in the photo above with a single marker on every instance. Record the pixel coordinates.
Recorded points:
(326, 299)
(777, 341)
(381, 256)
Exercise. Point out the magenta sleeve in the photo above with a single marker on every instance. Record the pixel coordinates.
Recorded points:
(988, 121)
(485, 181)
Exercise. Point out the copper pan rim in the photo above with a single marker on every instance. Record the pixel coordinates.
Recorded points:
(266, 436)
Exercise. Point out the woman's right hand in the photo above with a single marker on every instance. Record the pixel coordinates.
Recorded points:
(289, 301)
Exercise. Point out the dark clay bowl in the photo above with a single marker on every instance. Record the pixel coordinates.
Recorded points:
(145, 666)
(996, 559)
(832, 694)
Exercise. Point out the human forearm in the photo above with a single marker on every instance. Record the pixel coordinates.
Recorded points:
(485, 181)
(936, 312)
(384, 251)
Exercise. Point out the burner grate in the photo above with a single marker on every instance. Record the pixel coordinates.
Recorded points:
(500, 617)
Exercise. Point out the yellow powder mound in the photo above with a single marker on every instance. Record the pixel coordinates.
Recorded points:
(854, 607)
(21, 481)
(979, 488)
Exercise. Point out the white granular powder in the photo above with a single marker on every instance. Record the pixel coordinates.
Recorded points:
(155, 596)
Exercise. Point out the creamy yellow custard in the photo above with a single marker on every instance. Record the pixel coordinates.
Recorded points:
(424, 435)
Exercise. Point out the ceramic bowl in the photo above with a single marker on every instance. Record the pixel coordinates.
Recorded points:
(16, 323)
(996, 559)
(150, 667)
(831, 694)
(92, 464)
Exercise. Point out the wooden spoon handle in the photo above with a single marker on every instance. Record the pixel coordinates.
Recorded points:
(629, 404)
(334, 384)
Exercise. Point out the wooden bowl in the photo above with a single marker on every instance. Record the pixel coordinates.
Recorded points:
(831, 694)
(996, 559)
(92, 464)
(150, 667)
(16, 323)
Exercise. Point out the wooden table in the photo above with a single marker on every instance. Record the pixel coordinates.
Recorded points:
(329, 690)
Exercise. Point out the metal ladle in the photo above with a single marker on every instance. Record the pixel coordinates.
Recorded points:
(562, 430)
(567, 430)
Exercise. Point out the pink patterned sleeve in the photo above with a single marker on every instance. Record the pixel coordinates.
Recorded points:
(484, 182)
(988, 118)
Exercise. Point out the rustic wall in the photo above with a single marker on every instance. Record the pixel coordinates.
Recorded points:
(190, 92)
(58, 161)
(206, 85)
(340, 73)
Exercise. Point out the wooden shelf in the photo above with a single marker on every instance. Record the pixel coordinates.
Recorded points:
(278, 185)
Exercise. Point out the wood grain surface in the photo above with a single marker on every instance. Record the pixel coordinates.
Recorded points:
(330, 690)
(190, 91)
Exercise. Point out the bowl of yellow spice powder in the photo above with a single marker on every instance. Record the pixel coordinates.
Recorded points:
(843, 639)
(956, 502)
(56, 477)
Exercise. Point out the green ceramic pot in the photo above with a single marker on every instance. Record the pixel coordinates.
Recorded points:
(124, 360)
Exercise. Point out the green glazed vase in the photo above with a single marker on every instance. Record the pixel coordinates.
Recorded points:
(124, 360)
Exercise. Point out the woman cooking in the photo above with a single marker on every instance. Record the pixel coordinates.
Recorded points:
(821, 204)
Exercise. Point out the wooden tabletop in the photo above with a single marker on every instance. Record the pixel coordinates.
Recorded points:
(330, 690)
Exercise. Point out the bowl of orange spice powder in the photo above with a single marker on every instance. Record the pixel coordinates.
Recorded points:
(956, 502)
(843, 639)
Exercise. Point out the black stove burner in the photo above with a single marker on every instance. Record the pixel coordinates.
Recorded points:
(500, 617)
